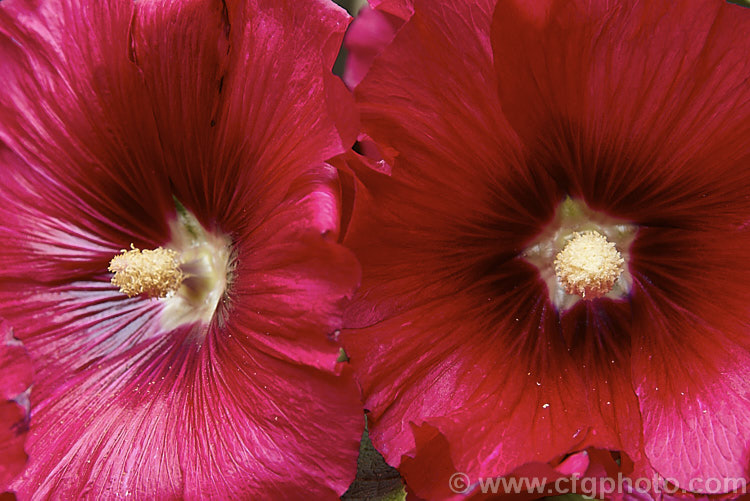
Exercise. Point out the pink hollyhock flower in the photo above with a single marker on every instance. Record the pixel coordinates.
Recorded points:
(192, 135)
(15, 379)
(530, 140)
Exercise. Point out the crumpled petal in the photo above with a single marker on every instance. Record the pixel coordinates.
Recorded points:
(372, 30)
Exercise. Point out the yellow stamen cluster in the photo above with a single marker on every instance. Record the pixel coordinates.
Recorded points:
(152, 273)
(588, 265)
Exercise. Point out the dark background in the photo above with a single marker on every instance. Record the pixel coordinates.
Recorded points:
(352, 6)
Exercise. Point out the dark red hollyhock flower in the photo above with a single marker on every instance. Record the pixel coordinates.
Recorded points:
(558, 257)
(15, 379)
(192, 134)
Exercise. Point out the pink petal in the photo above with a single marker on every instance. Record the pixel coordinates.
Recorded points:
(221, 415)
(75, 109)
(15, 380)
(241, 107)
(293, 268)
(169, 420)
(101, 131)
(183, 49)
(369, 34)
(50, 234)
(274, 121)
(575, 465)
(431, 99)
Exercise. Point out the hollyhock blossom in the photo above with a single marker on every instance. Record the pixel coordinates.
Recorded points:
(555, 243)
(169, 247)
(15, 379)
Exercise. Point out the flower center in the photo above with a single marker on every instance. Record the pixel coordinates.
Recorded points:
(588, 265)
(582, 254)
(190, 275)
(152, 273)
